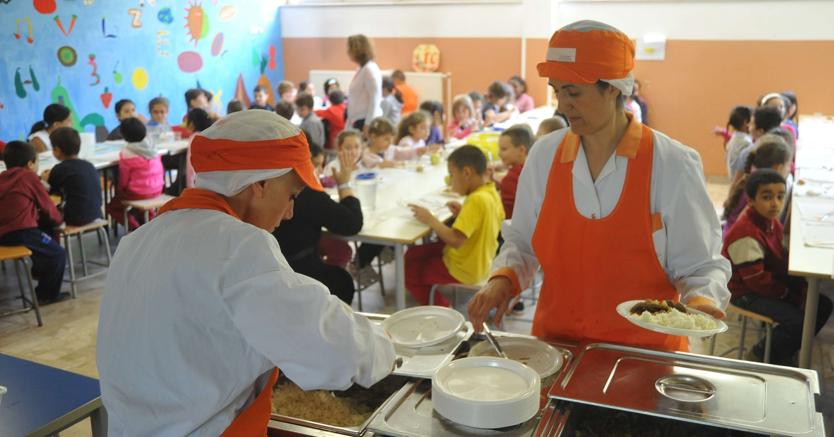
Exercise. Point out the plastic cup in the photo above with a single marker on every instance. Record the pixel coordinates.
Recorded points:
(366, 188)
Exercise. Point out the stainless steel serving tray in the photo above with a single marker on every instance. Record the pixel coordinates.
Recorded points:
(410, 412)
(708, 390)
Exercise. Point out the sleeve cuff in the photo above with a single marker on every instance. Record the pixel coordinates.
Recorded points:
(508, 273)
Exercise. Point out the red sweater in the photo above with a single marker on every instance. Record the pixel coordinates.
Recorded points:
(508, 187)
(24, 202)
(335, 116)
(760, 262)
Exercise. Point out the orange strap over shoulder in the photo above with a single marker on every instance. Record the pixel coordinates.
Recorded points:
(253, 421)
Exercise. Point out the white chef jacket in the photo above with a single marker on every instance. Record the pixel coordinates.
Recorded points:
(689, 245)
(365, 94)
(198, 305)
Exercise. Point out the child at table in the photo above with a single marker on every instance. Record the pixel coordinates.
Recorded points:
(549, 125)
(463, 118)
(55, 116)
(75, 180)
(261, 101)
(497, 109)
(28, 218)
(158, 108)
(334, 116)
(770, 151)
(760, 282)
(478, 105)
(350, 142)
(523, 101)
(125, 109)
(411, 137)
(435, 109)
(140, 172)
(513, 146)
(378, 152)
(466, 249)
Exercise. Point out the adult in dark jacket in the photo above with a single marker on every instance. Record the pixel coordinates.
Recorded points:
(313, 210)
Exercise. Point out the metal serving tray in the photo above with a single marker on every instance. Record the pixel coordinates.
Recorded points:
(708, 390)
(410, 412)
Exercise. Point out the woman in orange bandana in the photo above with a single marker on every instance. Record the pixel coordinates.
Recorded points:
(609, 209)
(201, 309)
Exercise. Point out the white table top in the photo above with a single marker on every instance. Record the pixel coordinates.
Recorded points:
(815, 174)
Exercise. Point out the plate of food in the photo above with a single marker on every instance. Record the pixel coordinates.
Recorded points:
(669, 317)
(423, 326)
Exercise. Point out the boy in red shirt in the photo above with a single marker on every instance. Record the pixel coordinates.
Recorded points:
(513, 146)
(334, 115)
(28, 217)
(760, 281)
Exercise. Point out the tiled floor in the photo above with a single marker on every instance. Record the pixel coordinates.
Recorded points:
(67, 340)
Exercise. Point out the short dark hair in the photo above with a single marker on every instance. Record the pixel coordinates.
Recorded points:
(55, 112)
(520, 81)
(387, 83)
(469, 156)
(302, 86)
(259, 89)
(336, 97)
(200, 119)
(432, 107)
(67, 140)
(315, 150)
(284, 109)
(160, 100)
(476, 96)
(767, 117)
(499, 90)
(520, 135)
(132, 130)
(194, 93)
(304, 100)
(19, 154)
(761, 177)
(234, 106)
(398, 75)
(739, 115)
(121, 103)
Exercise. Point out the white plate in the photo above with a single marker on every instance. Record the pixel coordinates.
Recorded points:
(423, 326)
(624, 310)
(486, 392)
(536, 354)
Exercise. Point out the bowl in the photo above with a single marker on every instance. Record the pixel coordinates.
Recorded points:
(486, 392)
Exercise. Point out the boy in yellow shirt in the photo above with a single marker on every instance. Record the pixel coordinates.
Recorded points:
(465, 250)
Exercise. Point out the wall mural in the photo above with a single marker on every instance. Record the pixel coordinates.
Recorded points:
(88, 54)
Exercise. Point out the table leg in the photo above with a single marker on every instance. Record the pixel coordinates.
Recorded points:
(98, 422)
(810, 323)
(399, 265)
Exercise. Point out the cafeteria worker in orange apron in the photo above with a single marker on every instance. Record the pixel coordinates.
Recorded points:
(610, 209)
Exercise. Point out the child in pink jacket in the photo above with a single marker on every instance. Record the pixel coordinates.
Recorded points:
(140, 172)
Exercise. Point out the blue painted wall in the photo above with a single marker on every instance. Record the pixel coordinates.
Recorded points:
(88, 54)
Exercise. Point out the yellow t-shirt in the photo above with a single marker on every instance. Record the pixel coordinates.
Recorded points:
(480, 220)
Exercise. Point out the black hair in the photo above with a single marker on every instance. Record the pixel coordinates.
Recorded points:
(200, 119)
(767, 118)
(158, 101)
(133, 130)
(768, 152)
(761, 177)
(37, 127)
(234, 106)
(469, 156)
(432, 107)
(304, 100)
(54, 113)
(195, 93)
(521, 82)
(387, 83)
(303, 85)
(330, 82)
(121, 103)
(19, 154)
(603, 86)
(315, 149)
(499, 90)
(520, 135)
(738, 116)
(284, 109)
(67, 140)
(259, 89)
(336, 97)
(791, 98)
(475, 96)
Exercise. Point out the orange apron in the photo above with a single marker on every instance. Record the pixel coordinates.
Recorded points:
(253, 420)
(590, 266)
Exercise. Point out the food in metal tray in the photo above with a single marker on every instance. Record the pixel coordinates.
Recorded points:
(670, 314)
(348, 408)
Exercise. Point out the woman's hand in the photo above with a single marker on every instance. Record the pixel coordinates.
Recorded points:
(495, 294)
